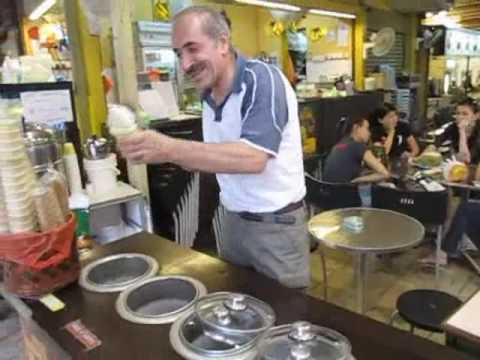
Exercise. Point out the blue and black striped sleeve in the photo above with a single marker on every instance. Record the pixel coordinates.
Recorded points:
(264, 107)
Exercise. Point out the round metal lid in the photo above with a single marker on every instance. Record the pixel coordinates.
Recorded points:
(159, 300)
(234, 314)
(303, 341)
(116, 272)
(189, 339)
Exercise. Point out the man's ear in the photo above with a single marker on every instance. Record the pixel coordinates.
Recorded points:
(224, 44)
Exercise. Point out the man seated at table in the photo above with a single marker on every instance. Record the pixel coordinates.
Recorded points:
(393, 134)
(465, 226)
(464, 133)
(344, 163)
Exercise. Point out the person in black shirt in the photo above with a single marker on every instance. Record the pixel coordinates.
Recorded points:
(464, 133)
(393, 134)
(344, 163)
(464, 224)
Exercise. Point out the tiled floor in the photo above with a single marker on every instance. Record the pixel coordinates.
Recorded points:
(387, 280)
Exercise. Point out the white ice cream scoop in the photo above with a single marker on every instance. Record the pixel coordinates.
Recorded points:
(121, 121)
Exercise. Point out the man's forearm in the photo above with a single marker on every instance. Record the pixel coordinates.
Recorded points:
(234, 157)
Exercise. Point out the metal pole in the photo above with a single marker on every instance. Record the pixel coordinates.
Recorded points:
(361, 280)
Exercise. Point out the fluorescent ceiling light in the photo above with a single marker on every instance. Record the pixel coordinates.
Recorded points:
(270, 4)
(41, 9)
(451, 22)
(332, 13)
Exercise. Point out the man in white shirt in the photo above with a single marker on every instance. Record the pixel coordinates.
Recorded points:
(252, 142)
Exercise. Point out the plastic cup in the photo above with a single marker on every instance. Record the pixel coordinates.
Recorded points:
(4, 229)
(14, 141)
(12, 155)
(18, 211)
(9, 124)
(19, 227)
(22, 219)
(102, 174)
(13, 174)
(7, 134)
(14, 189)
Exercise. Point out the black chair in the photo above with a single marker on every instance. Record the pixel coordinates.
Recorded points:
(328, 196)
(315, 163)
(429, 208)
(421, 308)
(340, 128)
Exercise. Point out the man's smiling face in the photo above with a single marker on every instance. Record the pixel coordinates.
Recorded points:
(202, 58)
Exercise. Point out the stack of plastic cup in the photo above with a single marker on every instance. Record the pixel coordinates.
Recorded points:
(3, 213)
(16, 176)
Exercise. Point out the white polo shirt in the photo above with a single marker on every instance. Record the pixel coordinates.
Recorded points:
(261, 111)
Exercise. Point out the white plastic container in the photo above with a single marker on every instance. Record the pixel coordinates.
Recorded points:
(102, 174)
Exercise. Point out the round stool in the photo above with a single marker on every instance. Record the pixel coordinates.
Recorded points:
(426, 309)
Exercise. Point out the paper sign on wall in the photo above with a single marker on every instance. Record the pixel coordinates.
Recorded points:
(160, 101)
(343, 34)
(48, 107)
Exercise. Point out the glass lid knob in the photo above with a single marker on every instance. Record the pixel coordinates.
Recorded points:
(236, 302)
(221, 314)
(301, 331)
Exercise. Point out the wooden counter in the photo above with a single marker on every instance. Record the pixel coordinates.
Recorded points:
(370, 340)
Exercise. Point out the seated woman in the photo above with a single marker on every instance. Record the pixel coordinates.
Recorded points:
(464, 132)
(464, 224)
(344, 163)
(393, 134)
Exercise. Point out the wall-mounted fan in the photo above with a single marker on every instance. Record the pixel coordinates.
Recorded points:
(383, 41)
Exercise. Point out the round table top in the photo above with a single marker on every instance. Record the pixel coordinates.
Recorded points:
(383, 230)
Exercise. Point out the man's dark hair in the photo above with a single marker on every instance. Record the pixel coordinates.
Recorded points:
(214, 23)
(227, 19)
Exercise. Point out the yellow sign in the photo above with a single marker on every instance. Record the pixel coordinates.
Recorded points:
(317, 33)
(161, 10)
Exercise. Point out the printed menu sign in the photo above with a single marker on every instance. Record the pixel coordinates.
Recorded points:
(47, 107)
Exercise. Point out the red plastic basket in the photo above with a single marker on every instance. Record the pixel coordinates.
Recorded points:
(36, 264)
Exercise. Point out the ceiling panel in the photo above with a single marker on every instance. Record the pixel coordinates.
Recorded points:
(469, 13)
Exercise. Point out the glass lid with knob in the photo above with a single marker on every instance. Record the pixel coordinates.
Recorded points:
(303, 341)
(233, 313)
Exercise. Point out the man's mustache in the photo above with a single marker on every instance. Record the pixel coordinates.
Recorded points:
(194, 68)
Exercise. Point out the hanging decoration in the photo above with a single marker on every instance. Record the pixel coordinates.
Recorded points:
(161, 10)
(316, 33)
(275, 28)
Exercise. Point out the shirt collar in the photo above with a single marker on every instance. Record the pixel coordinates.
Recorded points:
(240, 64)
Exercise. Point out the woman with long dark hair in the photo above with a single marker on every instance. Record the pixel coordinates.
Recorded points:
(464, 133)
(344, 163)
(394, 135)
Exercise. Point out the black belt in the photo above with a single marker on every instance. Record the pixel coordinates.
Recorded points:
(277, 217)
(290, 207)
